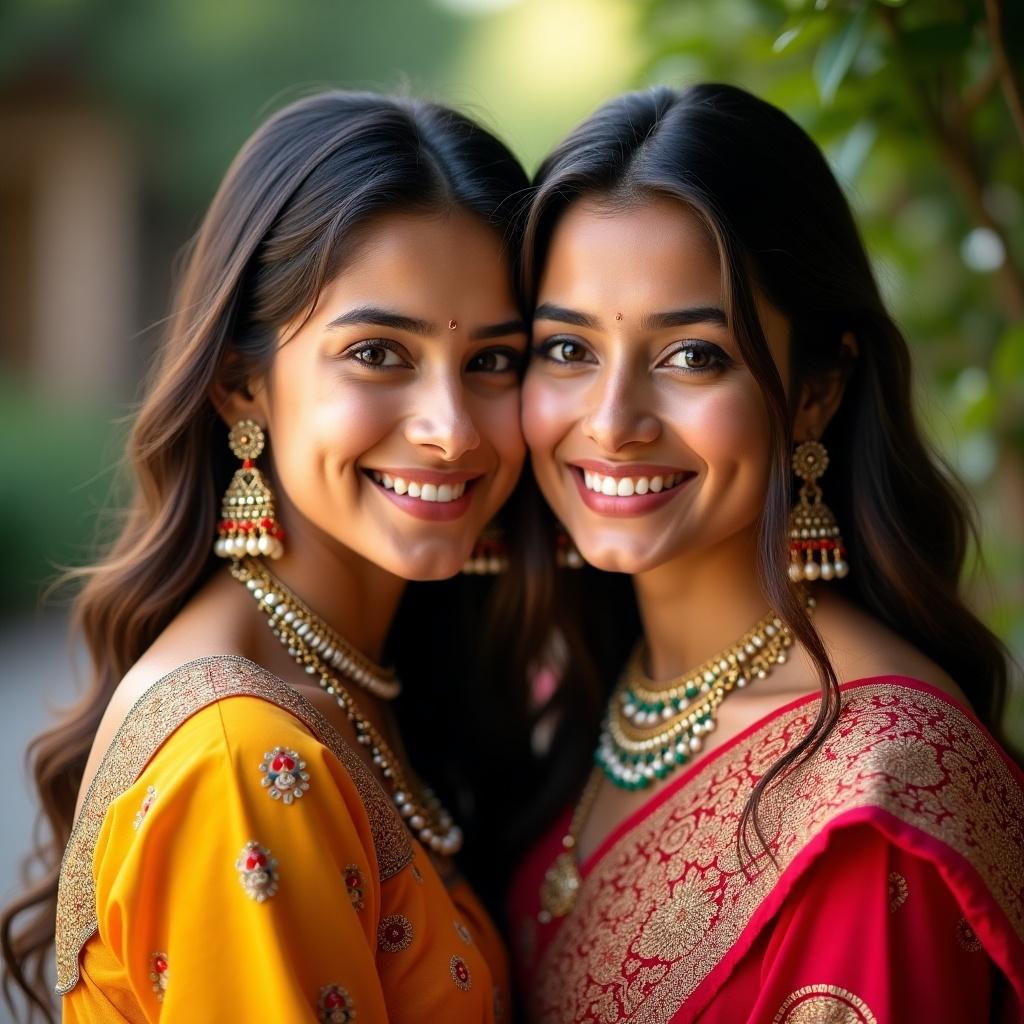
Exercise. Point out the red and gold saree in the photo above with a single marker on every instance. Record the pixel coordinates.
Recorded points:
(898, 894)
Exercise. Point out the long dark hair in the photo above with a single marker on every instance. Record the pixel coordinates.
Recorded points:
(781, 225)
(276, 233)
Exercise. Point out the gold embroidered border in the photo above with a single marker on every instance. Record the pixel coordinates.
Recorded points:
(669, 899)
(162, 709)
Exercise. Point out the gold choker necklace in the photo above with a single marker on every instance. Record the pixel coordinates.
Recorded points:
(308, 639)
(651, 729)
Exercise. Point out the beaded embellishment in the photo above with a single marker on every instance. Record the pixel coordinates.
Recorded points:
(284, 775)
(158, 974)
(335, 1006)
(257, 871)
(395, 933)
(463, 933)
(460, 973)
(147, 802)
(355, 885)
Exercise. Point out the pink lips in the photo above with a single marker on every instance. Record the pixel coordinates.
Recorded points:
(635, 504)
(432, 511)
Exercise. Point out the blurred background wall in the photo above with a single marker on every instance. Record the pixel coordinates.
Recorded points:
(118, 118)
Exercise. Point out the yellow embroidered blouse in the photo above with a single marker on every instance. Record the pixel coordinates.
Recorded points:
(235, 860)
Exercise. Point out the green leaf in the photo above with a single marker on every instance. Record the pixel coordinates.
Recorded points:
(1008, 361)
(836, 55)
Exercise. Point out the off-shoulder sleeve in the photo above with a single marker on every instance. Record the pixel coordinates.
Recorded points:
(238, 876)
(870, 934)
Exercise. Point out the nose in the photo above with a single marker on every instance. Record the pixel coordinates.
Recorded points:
(618, 415)
(444, 424)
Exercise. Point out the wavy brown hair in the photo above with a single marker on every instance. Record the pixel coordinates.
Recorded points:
(277, 232)
(782, 227)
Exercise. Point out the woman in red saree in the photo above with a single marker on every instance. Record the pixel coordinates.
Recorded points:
(812, 822)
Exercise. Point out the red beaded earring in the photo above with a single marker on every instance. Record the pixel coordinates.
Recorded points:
(816, 548)
(248, 525)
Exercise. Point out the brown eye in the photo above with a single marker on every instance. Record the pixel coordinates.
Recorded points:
(377, 355)
(494, 361)
(694, 359)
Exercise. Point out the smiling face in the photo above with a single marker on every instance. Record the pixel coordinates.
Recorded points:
(648, 434)
(393, 412)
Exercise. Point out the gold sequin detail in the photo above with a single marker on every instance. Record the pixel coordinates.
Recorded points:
(906, 751)
(898, 891)
(459, 970)
(394, 933)
(824, 1004)
(965, 937)
(163, 708)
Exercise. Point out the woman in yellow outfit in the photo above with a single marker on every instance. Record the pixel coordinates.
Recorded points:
(335, 413)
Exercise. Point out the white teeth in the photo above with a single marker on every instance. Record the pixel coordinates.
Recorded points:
(441, 493)
(627, 486)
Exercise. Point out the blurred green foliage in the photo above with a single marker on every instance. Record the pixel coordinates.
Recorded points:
(912, 101)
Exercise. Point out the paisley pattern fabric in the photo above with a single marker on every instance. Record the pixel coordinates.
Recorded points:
(906, 821)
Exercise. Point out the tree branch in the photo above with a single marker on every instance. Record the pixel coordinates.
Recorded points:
(1007, 74)
(961, 162)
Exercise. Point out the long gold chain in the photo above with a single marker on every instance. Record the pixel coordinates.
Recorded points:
(417, 804)
(681, 711)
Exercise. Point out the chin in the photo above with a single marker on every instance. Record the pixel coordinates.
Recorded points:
(617, 559)
(424, 570)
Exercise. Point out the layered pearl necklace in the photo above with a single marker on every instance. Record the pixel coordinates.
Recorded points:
(317, 648)
(651, 729)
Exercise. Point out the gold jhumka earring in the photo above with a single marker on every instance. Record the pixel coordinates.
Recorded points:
(248, 525)
(816, 548)
(489, 556)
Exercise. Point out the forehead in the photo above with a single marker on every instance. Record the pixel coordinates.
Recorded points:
(425, 259)
(654, 253)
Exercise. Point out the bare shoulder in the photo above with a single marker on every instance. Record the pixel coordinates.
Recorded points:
(862, 647)
(205, 627)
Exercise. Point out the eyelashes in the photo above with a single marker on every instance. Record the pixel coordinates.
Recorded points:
(383, 354)
(693, 356)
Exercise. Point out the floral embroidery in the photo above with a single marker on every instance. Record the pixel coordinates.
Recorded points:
(355, 884)
(257, 871)
(335, 1006)
(147, 802)
(463, 933)
(395, 933)
(898, 891)
(155, 716)
(678, 924)
(460, 973)
(903, 750)
(824, 1004)
(158, 974)
(284, 775)
(965, 937)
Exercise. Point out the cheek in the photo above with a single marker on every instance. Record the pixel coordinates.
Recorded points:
(496, 418)
(728, 429)
(547, 414)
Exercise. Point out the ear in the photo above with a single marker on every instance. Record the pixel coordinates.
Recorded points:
(822, 393)
(236, 398)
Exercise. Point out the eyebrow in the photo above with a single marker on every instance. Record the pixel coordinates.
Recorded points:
(375, 316)
(684, 318)
(549, 311)
(649, 322)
